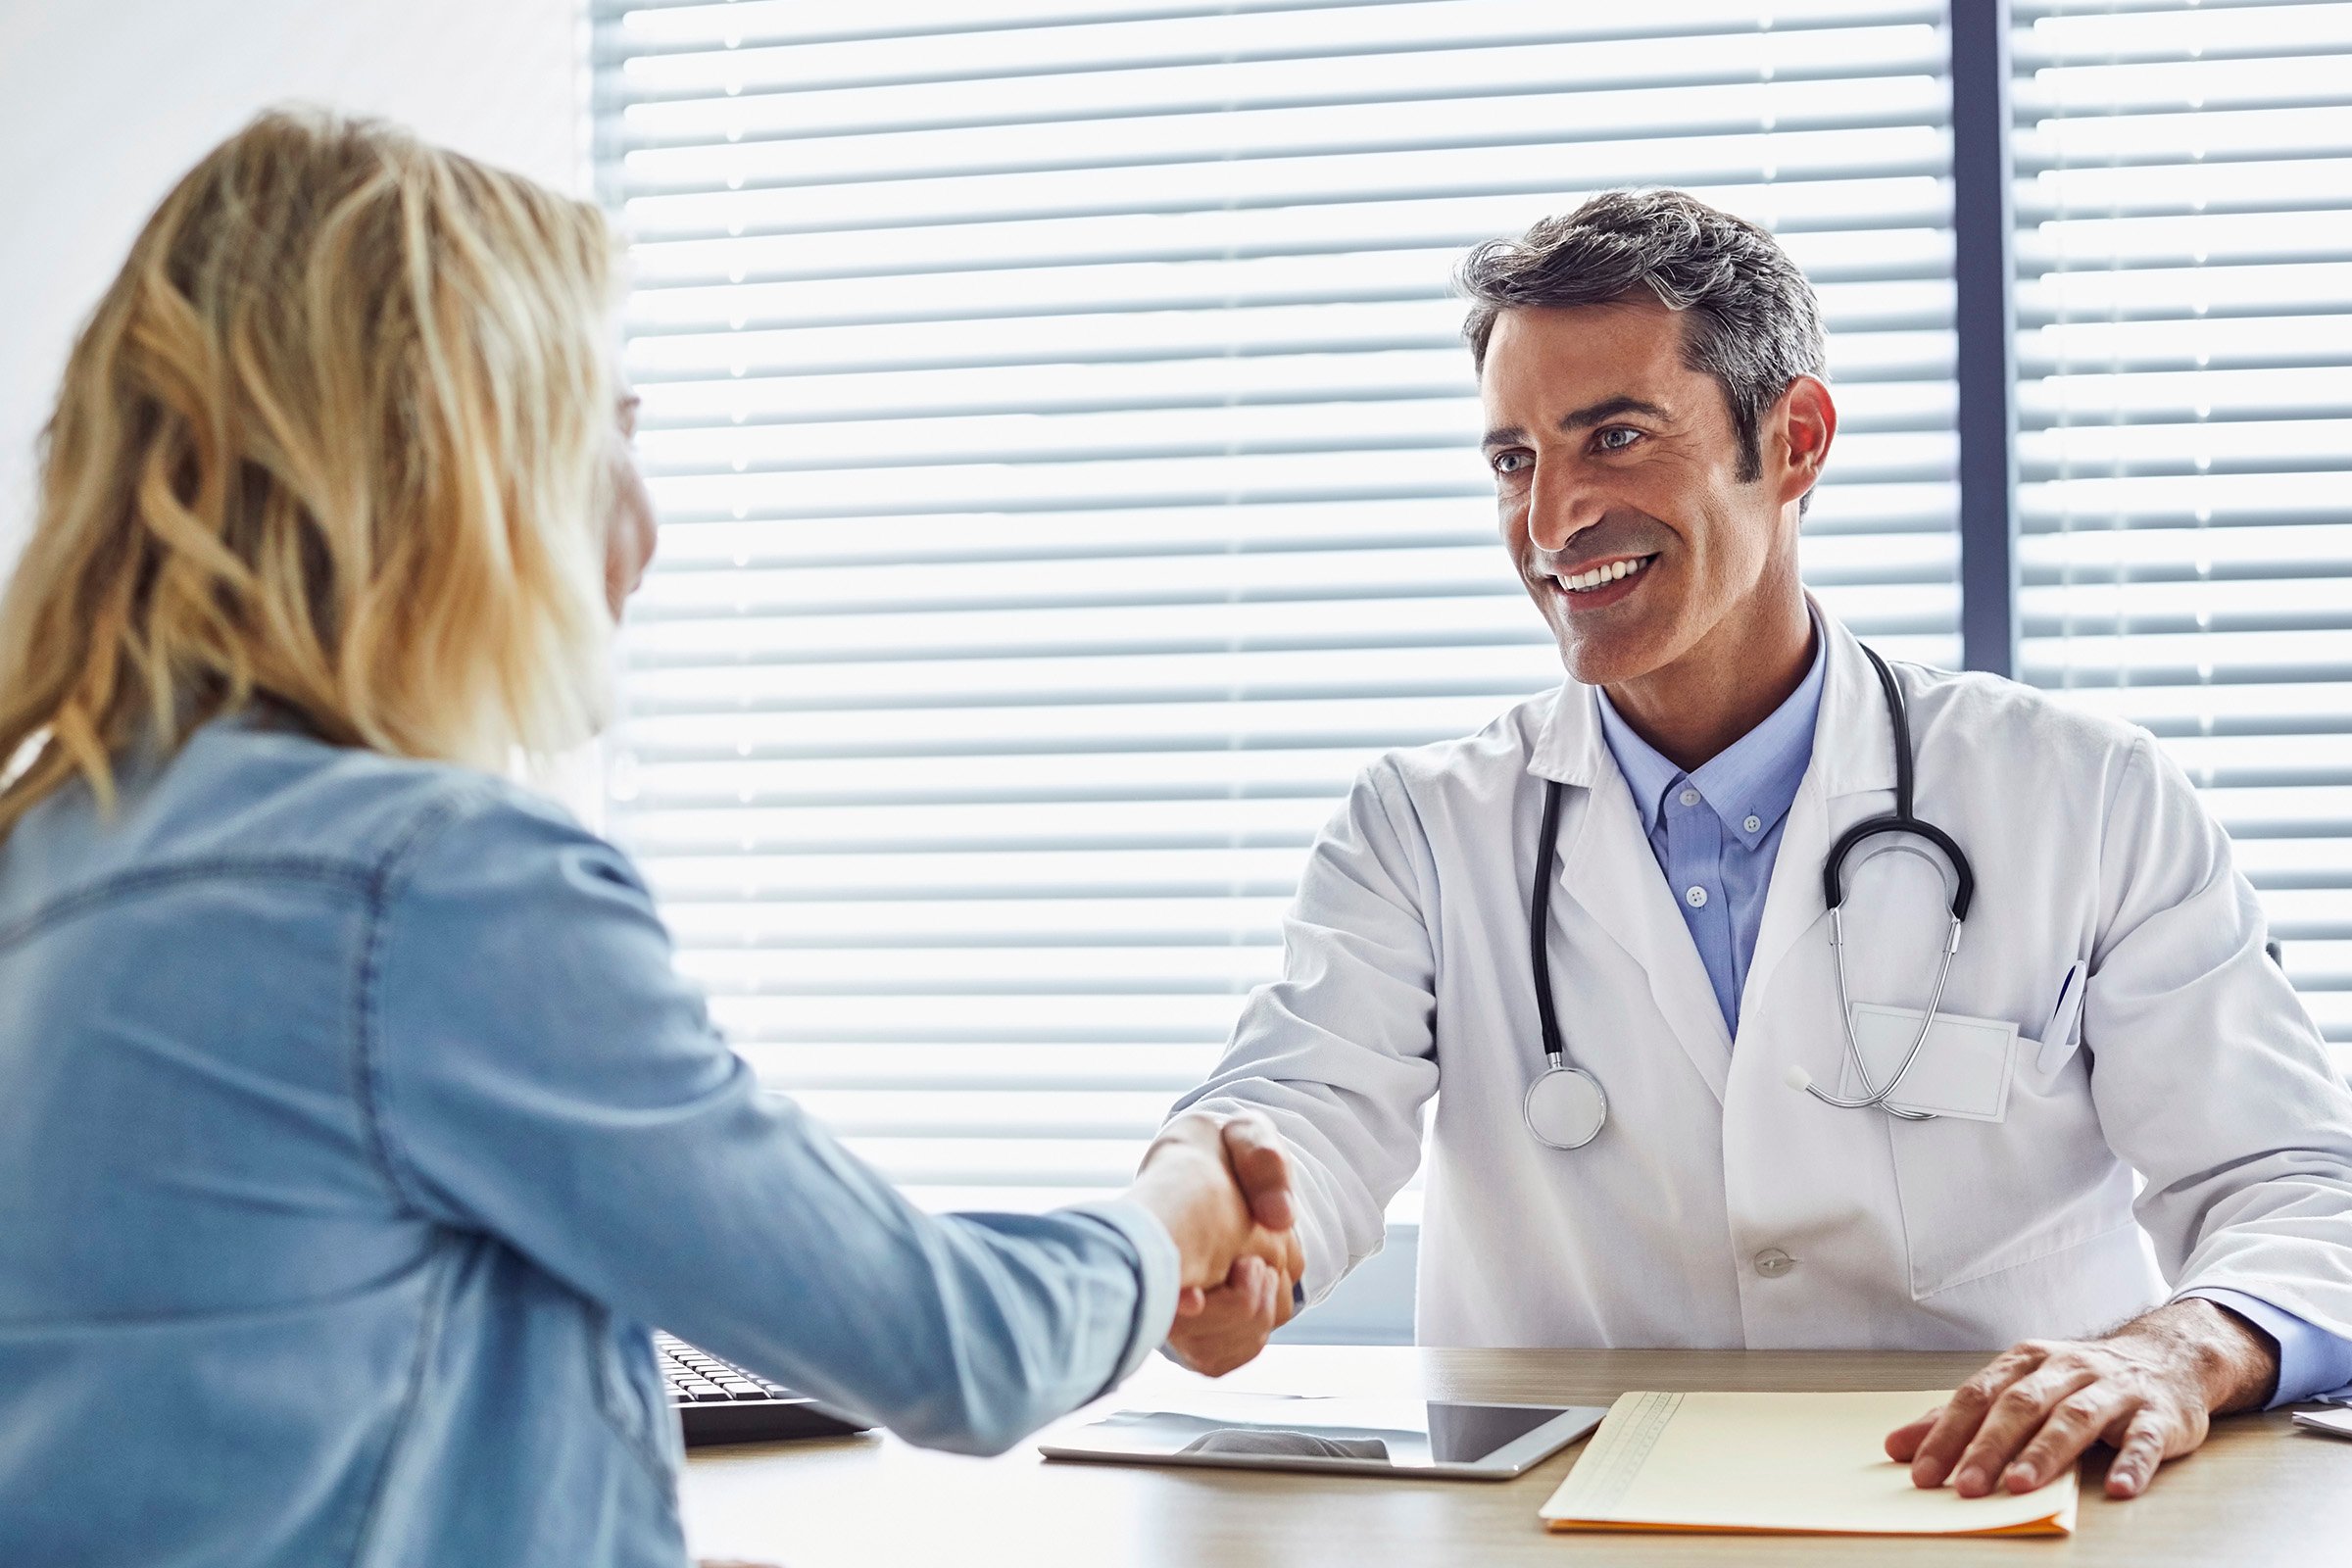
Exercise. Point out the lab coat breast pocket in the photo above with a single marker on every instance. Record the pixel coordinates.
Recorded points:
(1982, 1196)
(1961, 1067)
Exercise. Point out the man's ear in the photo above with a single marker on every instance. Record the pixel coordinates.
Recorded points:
(1798, 434)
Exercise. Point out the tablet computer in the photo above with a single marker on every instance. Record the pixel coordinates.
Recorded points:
(1471, 1440)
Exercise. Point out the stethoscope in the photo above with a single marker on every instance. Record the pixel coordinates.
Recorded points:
(1565, 1106)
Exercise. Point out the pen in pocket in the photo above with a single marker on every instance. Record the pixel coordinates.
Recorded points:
(2057, 1035)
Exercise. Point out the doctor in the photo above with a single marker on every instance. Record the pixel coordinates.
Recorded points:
(1651, 376)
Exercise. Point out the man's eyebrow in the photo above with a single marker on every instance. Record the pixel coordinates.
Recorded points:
(1594, 414)
(1509, 435)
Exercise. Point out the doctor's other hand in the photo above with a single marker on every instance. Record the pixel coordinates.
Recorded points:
(1222, 1188)
(2149, 1390)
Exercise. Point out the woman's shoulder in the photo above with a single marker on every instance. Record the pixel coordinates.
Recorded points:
(241, 791)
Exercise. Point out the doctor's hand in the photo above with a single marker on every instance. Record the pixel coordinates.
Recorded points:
(1222, 1188)
(2149, 1390)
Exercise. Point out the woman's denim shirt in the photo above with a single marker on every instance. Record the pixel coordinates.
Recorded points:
(354, 1124)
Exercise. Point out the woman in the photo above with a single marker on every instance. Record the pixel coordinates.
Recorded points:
(353, 1119)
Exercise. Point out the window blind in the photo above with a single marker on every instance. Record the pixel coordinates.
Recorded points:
(2185, 353)
(1067, 459)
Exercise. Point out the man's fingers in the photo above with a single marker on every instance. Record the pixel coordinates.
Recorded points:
(1261, 1167)
(2074, 1424)
(1280, 1248)
(1190, 1301)
(1286, 1261)
(2018, 1412)
(1902, 1443)
(1955, 1425)
(2138, 1455)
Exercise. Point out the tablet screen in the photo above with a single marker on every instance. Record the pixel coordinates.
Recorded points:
(1402, 1435)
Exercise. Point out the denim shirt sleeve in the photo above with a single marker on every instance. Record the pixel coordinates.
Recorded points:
(537, 1069)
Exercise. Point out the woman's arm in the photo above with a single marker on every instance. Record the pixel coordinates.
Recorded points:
(536, 1068)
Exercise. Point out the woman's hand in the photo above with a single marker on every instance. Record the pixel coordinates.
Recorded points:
(1233, 1322)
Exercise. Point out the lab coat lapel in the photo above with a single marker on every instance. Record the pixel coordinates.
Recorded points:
(1606, 868)
(1853, 754)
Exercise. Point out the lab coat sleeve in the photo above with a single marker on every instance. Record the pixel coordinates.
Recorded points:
(1339, 1052)
(2208, 1074)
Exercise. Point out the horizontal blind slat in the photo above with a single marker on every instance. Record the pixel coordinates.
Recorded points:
(2185, 315)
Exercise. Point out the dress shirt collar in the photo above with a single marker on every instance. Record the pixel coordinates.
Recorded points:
(1753, 779)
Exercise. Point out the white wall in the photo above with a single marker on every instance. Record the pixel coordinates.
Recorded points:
(104, 103)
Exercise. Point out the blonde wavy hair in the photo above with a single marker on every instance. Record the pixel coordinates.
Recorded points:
(335, 438)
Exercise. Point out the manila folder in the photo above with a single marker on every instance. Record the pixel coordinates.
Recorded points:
(1800, 1463)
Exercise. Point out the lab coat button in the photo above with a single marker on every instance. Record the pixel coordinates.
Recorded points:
(1772, 1263)
(1695, 896)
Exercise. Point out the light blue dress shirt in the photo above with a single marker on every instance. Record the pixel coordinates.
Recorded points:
(1716, 833)
(354, 1124)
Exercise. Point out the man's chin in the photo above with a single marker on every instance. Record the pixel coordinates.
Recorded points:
(1608, 660)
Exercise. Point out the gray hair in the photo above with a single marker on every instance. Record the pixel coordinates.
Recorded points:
(1754, 324)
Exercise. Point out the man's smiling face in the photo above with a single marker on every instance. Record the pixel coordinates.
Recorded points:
(1618, 482)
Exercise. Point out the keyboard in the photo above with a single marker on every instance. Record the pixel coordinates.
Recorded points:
(718, 1402)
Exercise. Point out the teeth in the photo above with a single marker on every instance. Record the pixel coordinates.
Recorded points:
(1585, 581)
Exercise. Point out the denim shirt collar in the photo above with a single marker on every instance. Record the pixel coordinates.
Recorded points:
(1753, 779)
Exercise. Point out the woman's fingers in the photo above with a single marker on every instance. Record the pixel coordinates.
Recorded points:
(1235, 1323)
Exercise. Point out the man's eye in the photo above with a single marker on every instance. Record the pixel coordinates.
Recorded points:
(1511, 461)
(1607, 440)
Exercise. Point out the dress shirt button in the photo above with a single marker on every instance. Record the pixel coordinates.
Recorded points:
(1696, 898)
(1689, 797)
(1752, 823)
(1772, 1263)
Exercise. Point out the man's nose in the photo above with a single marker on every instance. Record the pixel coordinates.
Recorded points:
(1561, 504)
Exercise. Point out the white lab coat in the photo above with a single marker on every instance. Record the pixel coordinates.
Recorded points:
(1407, 971)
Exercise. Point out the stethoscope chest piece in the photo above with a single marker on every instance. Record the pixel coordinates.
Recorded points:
(1565, 1107)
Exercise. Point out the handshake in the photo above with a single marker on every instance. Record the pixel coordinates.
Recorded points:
(1222, 1188)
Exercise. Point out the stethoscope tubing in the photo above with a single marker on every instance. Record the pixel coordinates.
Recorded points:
(1538, 925)
(1904, 820)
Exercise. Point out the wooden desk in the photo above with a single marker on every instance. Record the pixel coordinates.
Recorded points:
(2261, 1491)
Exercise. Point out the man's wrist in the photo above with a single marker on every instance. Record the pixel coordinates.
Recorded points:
(2235, 1363)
